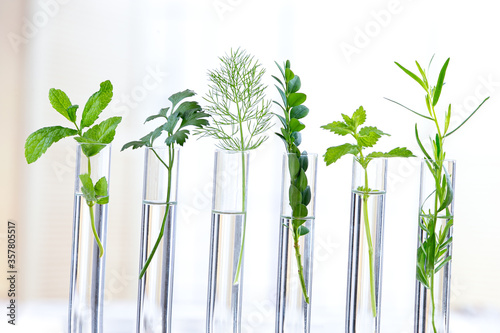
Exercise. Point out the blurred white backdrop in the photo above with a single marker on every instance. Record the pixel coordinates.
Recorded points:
(344, 53)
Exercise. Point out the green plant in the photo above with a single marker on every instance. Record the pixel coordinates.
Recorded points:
(176, 121)
(239, 112)
(299, 190)
(92, 141)
(365, 137)
(433, 251)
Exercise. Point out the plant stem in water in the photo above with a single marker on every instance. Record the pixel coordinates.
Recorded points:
(370, 246)
(243, 204)
(299, 263)
(92, 218)
(169, 188)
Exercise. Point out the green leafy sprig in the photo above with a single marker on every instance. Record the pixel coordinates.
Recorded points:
(299, 190)
(92, 141)
(365, 137)
(176, 121)
(434, 248)
(240, 114)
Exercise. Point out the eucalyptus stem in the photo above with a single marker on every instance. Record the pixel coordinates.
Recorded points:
(167, 209)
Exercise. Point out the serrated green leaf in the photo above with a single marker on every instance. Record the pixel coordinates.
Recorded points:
(103, 132)
(294, 84)
(186, 108)
(295, 99)
(299, 111)
(72, 112)
(87, 188)
(439, 84)
(359, 117)
(296, 126)
(349, 122)
(293, 165)
(178, 137)
(177, 97)
(39, 141)
(334, 153)
(196, 119)
(101, 187)
(369, 135)
(60, 102)
(338, 127)
(133, 144)
(96, 103)
(396, 152)
(103, 200)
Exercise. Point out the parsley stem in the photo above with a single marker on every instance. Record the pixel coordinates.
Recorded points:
(167, 209)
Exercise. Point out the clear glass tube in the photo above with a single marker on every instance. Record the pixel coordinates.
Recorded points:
(226, 261)
(155, 292)
(293, 313)
(364, 273)
(432, 299)
(87, 267)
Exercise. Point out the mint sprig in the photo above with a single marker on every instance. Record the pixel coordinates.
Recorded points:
(365, 137)
(92, 141)
(176, 120)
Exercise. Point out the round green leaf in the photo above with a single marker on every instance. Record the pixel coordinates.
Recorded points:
(304, 162)
(296, 99)
(300, 211)
(306, 196)
(294, 196)
(302, 180)
(293, 165)
(299, 111)
(294, 84)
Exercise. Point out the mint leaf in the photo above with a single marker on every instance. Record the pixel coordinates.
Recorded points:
(38, 142)
(60, 102)
(87, 188)
(96, 103)
(334, 153)
(176, 98)
(349, 122)
(338, 127)
(103, 132)
(369, 135)
(359, 117)
(72, 112)
(101, 187)
(396, 152)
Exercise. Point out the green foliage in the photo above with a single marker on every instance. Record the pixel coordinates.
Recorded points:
(236, 103)
(365, 137)
(433, 252)
(92, 141)
(299, 192)
(176, 120)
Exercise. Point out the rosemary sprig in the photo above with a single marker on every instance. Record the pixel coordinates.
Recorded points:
(239, 112)
(433, 252)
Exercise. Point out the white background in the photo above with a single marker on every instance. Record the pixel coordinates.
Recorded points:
(151, 49)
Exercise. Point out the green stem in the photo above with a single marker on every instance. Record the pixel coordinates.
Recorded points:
(299, 264)
(244, 210)
(162, 229)
(94, 231)
(92, 218)
(370, 247)
(433, 303)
